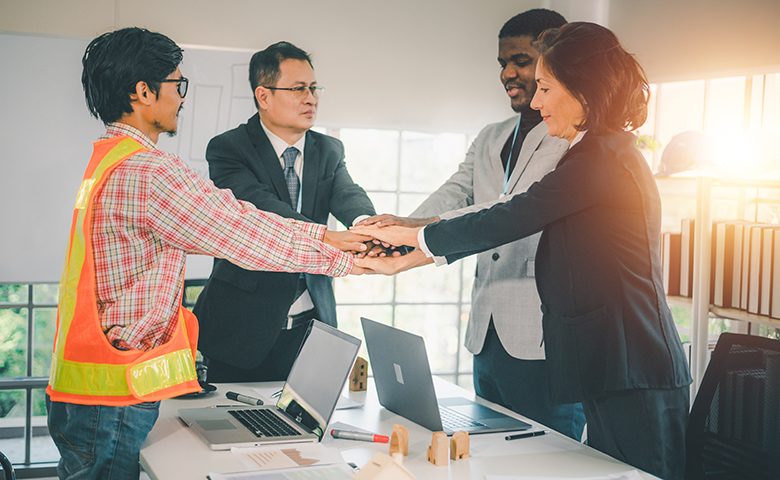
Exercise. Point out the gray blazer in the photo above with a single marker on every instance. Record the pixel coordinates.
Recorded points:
(504, 286)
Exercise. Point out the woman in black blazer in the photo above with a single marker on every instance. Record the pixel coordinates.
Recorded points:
(609, 336)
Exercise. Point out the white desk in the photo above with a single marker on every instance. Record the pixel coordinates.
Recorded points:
(172, 451)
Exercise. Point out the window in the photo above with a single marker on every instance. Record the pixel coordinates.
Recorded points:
(27, 324)
(399, 169)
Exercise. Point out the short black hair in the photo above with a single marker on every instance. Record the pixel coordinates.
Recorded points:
(588, 60)
(264, 66)
(116, 61)
(531, 23)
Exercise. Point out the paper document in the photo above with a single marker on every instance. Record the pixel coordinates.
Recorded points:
(328, 472)
(631, 475)
(346, 403)
(292, 456)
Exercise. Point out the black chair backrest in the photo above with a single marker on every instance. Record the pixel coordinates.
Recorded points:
(7, 468)
(734, 425)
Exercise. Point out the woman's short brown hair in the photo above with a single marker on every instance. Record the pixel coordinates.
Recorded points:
(588, 60)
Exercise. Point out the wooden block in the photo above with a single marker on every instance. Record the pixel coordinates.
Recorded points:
(437, 450)
(358, 378)
(399, 440)
(382, 467)
(459, 446)
(671, 263)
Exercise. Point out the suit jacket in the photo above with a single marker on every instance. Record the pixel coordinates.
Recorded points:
(504, 287)
(241, 312)
(606, 323)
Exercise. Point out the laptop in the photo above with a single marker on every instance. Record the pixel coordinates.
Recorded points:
(405, 386)
(305, 404)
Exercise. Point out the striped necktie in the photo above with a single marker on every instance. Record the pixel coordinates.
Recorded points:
(293, 183)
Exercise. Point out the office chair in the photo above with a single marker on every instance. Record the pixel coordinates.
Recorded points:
(6, 468)
(734, 426)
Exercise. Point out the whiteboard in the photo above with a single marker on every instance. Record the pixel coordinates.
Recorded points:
(46, 135)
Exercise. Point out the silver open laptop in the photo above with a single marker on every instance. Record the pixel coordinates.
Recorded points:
(304, 407)
(405, 386)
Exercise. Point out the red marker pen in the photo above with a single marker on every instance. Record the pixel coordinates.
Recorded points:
(363, 437)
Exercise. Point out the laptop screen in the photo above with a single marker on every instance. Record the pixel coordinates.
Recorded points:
(317, 377)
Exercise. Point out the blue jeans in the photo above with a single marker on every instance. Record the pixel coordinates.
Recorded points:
(99, 442)
(522, 386)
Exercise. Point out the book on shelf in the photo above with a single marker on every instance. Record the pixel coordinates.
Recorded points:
(774, 308)
(767, 260)
(670, 251)
(686, 257)
(737, 265)
(723, 263)
(755, 276)
(743, 301)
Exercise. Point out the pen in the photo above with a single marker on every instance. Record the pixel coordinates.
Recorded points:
(363, 437)
(243, 398)
(526, 435)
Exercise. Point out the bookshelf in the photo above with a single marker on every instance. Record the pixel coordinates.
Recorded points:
(701, 309)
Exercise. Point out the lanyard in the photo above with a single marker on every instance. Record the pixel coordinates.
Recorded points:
(505, 190)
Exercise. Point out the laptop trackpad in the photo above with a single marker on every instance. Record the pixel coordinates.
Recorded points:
(210, 425)
(469, 408)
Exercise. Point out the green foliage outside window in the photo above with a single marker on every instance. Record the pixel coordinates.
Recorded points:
(13, 355)
(13, 342)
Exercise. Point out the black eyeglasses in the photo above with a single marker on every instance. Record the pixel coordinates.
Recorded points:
(181, 84)
(301, 90)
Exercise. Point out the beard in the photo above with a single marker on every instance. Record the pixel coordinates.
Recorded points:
(168, 130)
(160, 128)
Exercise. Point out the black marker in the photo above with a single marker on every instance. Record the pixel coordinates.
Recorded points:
(525, 435)
(243, 398)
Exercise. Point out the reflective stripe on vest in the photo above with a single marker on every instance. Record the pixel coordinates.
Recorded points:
(86, 368)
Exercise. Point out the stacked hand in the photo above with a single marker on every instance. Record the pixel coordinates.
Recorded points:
(392, 233)
(380, 243)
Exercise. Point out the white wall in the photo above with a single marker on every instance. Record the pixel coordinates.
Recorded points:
(694, 39)
(426, 65)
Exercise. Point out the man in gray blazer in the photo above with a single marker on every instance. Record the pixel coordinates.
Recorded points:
(505, 328)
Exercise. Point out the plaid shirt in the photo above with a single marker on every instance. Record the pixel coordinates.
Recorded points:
(152, 212)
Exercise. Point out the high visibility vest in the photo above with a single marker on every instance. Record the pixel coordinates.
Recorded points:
(86, 369)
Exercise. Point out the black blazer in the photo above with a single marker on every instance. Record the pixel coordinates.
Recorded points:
(606, 322)
(241, 312)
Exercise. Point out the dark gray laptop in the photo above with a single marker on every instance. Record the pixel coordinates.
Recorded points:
(304, 407)
(405, 386)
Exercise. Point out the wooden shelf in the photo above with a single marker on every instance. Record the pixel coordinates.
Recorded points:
(679, 301)
(742, 315)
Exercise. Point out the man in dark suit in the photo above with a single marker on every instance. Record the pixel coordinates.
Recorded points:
(252, 323)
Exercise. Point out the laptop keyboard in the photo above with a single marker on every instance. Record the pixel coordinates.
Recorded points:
(263, 423)
(454, 421)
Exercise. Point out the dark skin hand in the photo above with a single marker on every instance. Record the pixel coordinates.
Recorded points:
(386, 220)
